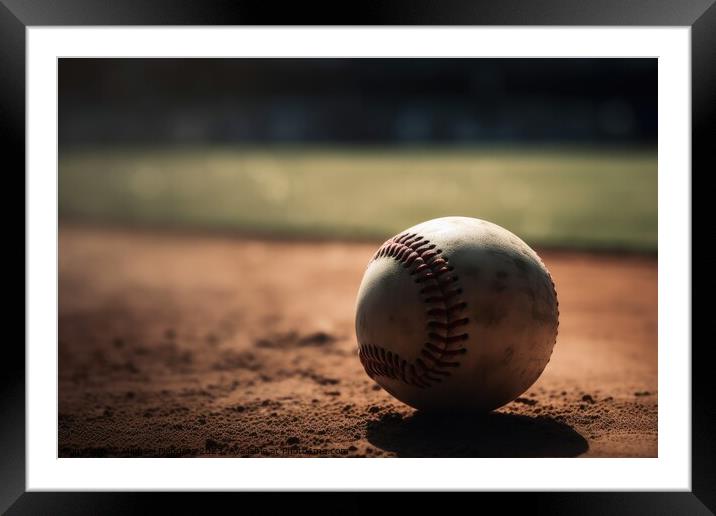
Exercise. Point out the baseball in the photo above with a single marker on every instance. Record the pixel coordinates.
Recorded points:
(456, 313)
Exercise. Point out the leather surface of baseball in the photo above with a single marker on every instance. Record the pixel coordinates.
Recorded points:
(456, 313)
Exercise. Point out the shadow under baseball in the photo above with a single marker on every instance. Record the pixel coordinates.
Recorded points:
(490, 435)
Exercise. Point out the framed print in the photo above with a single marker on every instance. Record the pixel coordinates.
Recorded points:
(342, 256)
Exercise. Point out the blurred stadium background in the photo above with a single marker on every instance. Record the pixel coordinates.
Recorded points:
(560, 151)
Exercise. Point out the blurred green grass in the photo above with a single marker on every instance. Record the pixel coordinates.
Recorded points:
(573, 198)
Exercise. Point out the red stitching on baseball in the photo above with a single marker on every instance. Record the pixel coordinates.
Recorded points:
(432, 269)
(556, 308)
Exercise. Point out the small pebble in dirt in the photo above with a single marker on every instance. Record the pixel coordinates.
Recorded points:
(374, 409)
(642, 393)
(587, 398)
(608, 398)
(293, 440)
(212, 445)
(333, 393)
(376, 387)
(316, 339)
(352, 448)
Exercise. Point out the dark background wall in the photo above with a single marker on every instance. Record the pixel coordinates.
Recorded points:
(354, 101)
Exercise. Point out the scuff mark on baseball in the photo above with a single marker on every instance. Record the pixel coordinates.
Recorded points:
(456, 313)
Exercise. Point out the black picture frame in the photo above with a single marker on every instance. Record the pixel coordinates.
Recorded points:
(17, 15)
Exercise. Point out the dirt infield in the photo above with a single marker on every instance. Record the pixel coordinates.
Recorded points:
(186, 345)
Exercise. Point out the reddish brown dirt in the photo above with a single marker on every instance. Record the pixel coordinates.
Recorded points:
(186, 345)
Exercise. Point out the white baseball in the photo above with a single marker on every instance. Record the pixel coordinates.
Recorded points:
(456, 313)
